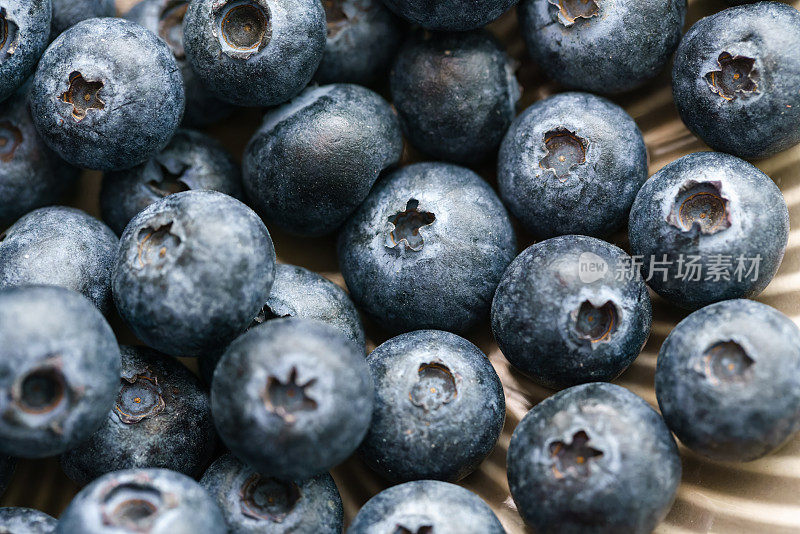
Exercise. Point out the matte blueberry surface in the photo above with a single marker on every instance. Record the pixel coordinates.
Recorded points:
(602, 46)
(427, 249)
(7, 465)
(439, 407)
(735, 79)
(571, 310)
(161, 418)
(256, 504)
(60, 246)
(572, 164)
(67, 13)
(255, 52)
(292, 398)
(718, 213)
(455, 15)
(193, 270)
(24, 31)
(26, 521)
(593, 458)
(190, 161)
(59, 367)
(314, 159)
(728, 380)
(455, 93)
(426, 506)
(156, 501)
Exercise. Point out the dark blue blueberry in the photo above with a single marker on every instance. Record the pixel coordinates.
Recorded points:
(193, 270)
(155, 501)
(255, 52)
(593, 458)
(26, 521)
(7, 465)
(602, 46)
(735, 79)
(572, 164)
(728, 380)
(450, 15)
(107, 94)
(427, 249)
(314, 160)
(709, 227)
(439, 407)
(162, 418)
(256, 504)
(426, 507)
(165, 19)
(59, 370)
(455, 93)
(570, 310)
(292, 398)
(190, 161)
(60, 246)
(24, 33)
(363, 37)
(67, 13)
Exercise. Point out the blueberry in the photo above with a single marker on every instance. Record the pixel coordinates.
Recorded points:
(193, 270)
(24, 32)
(7, 466)
(593, 458)
(439, 407)
(292, 398)
(426, 507)
(67, 13)
(165, 19)
(461, 116)
(107, 94)
(59, 366)
(572, 164)
(255, 52)
(571, 309)
(602, 46)
(162, 418)
(26, 521)
(709, 227)
(450, 15)
(427, 249)
(60, 246)
(156, 501)
(314, 160)
(735, 79)
(363, 37)
(252, 503)
(190, 161)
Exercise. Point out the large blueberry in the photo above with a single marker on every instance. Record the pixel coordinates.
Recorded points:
(24, 33)
(193, 270)
(67, 13)
(593, 458)
(314, 159)
(107, 94)
(427, 249)
(450, 15)
(7, 466)
(572, 164)
(26, 521)
(709, 227)
(59, 370)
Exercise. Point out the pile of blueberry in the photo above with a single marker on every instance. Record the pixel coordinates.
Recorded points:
(287, 389)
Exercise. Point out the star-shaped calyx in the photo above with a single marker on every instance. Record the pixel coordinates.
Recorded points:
(83, 95)
(737, 76)
(573, 458)
(405, 227)
(286, 399)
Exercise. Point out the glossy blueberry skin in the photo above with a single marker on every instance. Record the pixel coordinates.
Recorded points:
(190, 161)
(59, 367)
(461, 116)
(756, 212)
(142, 94)
(26, 521)
(313, 505)
(439, 407)
(267, 74)
(454, 261)
(67, 13)
(450, 15)
(26, 27)
(725, 414)
(156, 501)
(60, 246)
(193, 270)
(618, 49)
(292, 398)
(624, 478)
(442, 507)
(591, 197)
(314, 159)
(749, 124)
(170, 427)
(7, 466)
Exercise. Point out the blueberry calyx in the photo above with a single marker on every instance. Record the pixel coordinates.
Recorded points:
(170, 177)
(139, 397)
(284, 399)
(170, 26)
(243, 27)
(132, 506)
(726, 362)
(565, 151)
(569, 11)
(573, 458)
(406, 225)
(42, 391)
(700, 207)
(9, 36)
(736, 76)
(424, 529)
(435, 387)
(268, 498)
(595, 323)
(336, 16)
(154, 245)
(10, 139)
(266, 313)
(82, 95)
